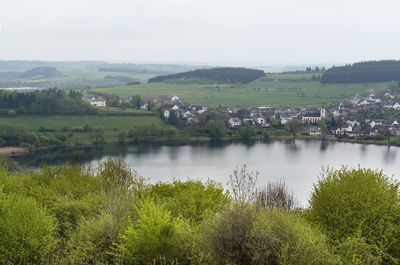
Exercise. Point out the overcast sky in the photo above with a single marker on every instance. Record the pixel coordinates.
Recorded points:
(259, 32)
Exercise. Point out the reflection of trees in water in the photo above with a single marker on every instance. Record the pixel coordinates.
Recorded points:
(324, 145)
(292, 146)
(389, 155)
(249, 143)
(75, 155)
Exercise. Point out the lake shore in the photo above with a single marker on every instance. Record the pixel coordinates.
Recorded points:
(10, 151)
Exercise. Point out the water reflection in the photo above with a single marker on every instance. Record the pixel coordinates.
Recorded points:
(324, 145)
(390, 155)
(299, 161)
(292, 146)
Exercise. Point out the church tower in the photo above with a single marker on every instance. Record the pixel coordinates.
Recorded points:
(322, 113)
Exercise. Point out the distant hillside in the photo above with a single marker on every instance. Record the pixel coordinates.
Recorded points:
(221, 74)
(363, 72)
(145, 68)
(40, 72)
(21, 66)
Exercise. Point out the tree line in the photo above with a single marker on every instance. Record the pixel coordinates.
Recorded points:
(363, 72)
(110, 215)
(221, 74)
(47, 101)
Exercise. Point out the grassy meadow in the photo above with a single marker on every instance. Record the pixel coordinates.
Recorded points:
(112, 125)
(59, 121)
(289, 89)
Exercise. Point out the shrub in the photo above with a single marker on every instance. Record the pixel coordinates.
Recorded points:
(228, 234)
(354, 250)
(91, 243)
(193, 200)
(278, 237)
(27, 145)
(12, 112)
(78, 129)
(350, 202)
(153, 235)
(26, 231)
(277, 195)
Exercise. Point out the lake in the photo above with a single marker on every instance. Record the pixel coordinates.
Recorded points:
(299, 162)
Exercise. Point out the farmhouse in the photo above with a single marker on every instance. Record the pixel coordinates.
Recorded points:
(96, 101)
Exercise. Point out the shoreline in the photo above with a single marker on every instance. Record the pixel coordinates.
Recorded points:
(11, 151)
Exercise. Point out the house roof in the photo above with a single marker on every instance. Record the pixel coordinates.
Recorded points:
(312, 115)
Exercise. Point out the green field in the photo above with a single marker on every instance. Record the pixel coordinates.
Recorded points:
(291, 89)
(58, 122)
(112, 124)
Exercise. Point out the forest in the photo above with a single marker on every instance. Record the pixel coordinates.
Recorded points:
(75, 214)
(47, 101)
(363, 72)
(221, 75)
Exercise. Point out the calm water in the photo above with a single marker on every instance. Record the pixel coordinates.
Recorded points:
(299, 163)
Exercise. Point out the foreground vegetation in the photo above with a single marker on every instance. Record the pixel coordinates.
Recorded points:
(110, 215)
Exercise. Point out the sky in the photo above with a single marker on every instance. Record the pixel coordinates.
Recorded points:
(236, 32)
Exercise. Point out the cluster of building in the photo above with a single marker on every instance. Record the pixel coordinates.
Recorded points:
(340, 123)
(182, 109)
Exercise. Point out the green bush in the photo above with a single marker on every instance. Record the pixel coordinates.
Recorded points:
(91, 243)
(154, 234)
(228, 234)
(354, 250)
(351, 202)
(279, 237)
(193, 200)
(26, 231)
(78, 129)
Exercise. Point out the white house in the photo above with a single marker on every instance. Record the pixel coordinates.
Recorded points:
(396, 106)
(249, 120)
(260, 121)
(353, 123)
(187, 114)
(97, 102)
(285, 119)
(202, 110)
(175, 98)
(144, 106)
(166, 114)
(315, 131)
(347, 129)
(233, 122)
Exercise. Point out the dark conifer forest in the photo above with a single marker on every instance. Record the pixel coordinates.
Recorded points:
(363, 72)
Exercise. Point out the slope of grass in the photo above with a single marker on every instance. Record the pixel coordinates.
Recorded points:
(275, 89)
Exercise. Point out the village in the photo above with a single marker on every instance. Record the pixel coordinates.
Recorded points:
(348, 118)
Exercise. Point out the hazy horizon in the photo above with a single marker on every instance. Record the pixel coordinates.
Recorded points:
(251, 33)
